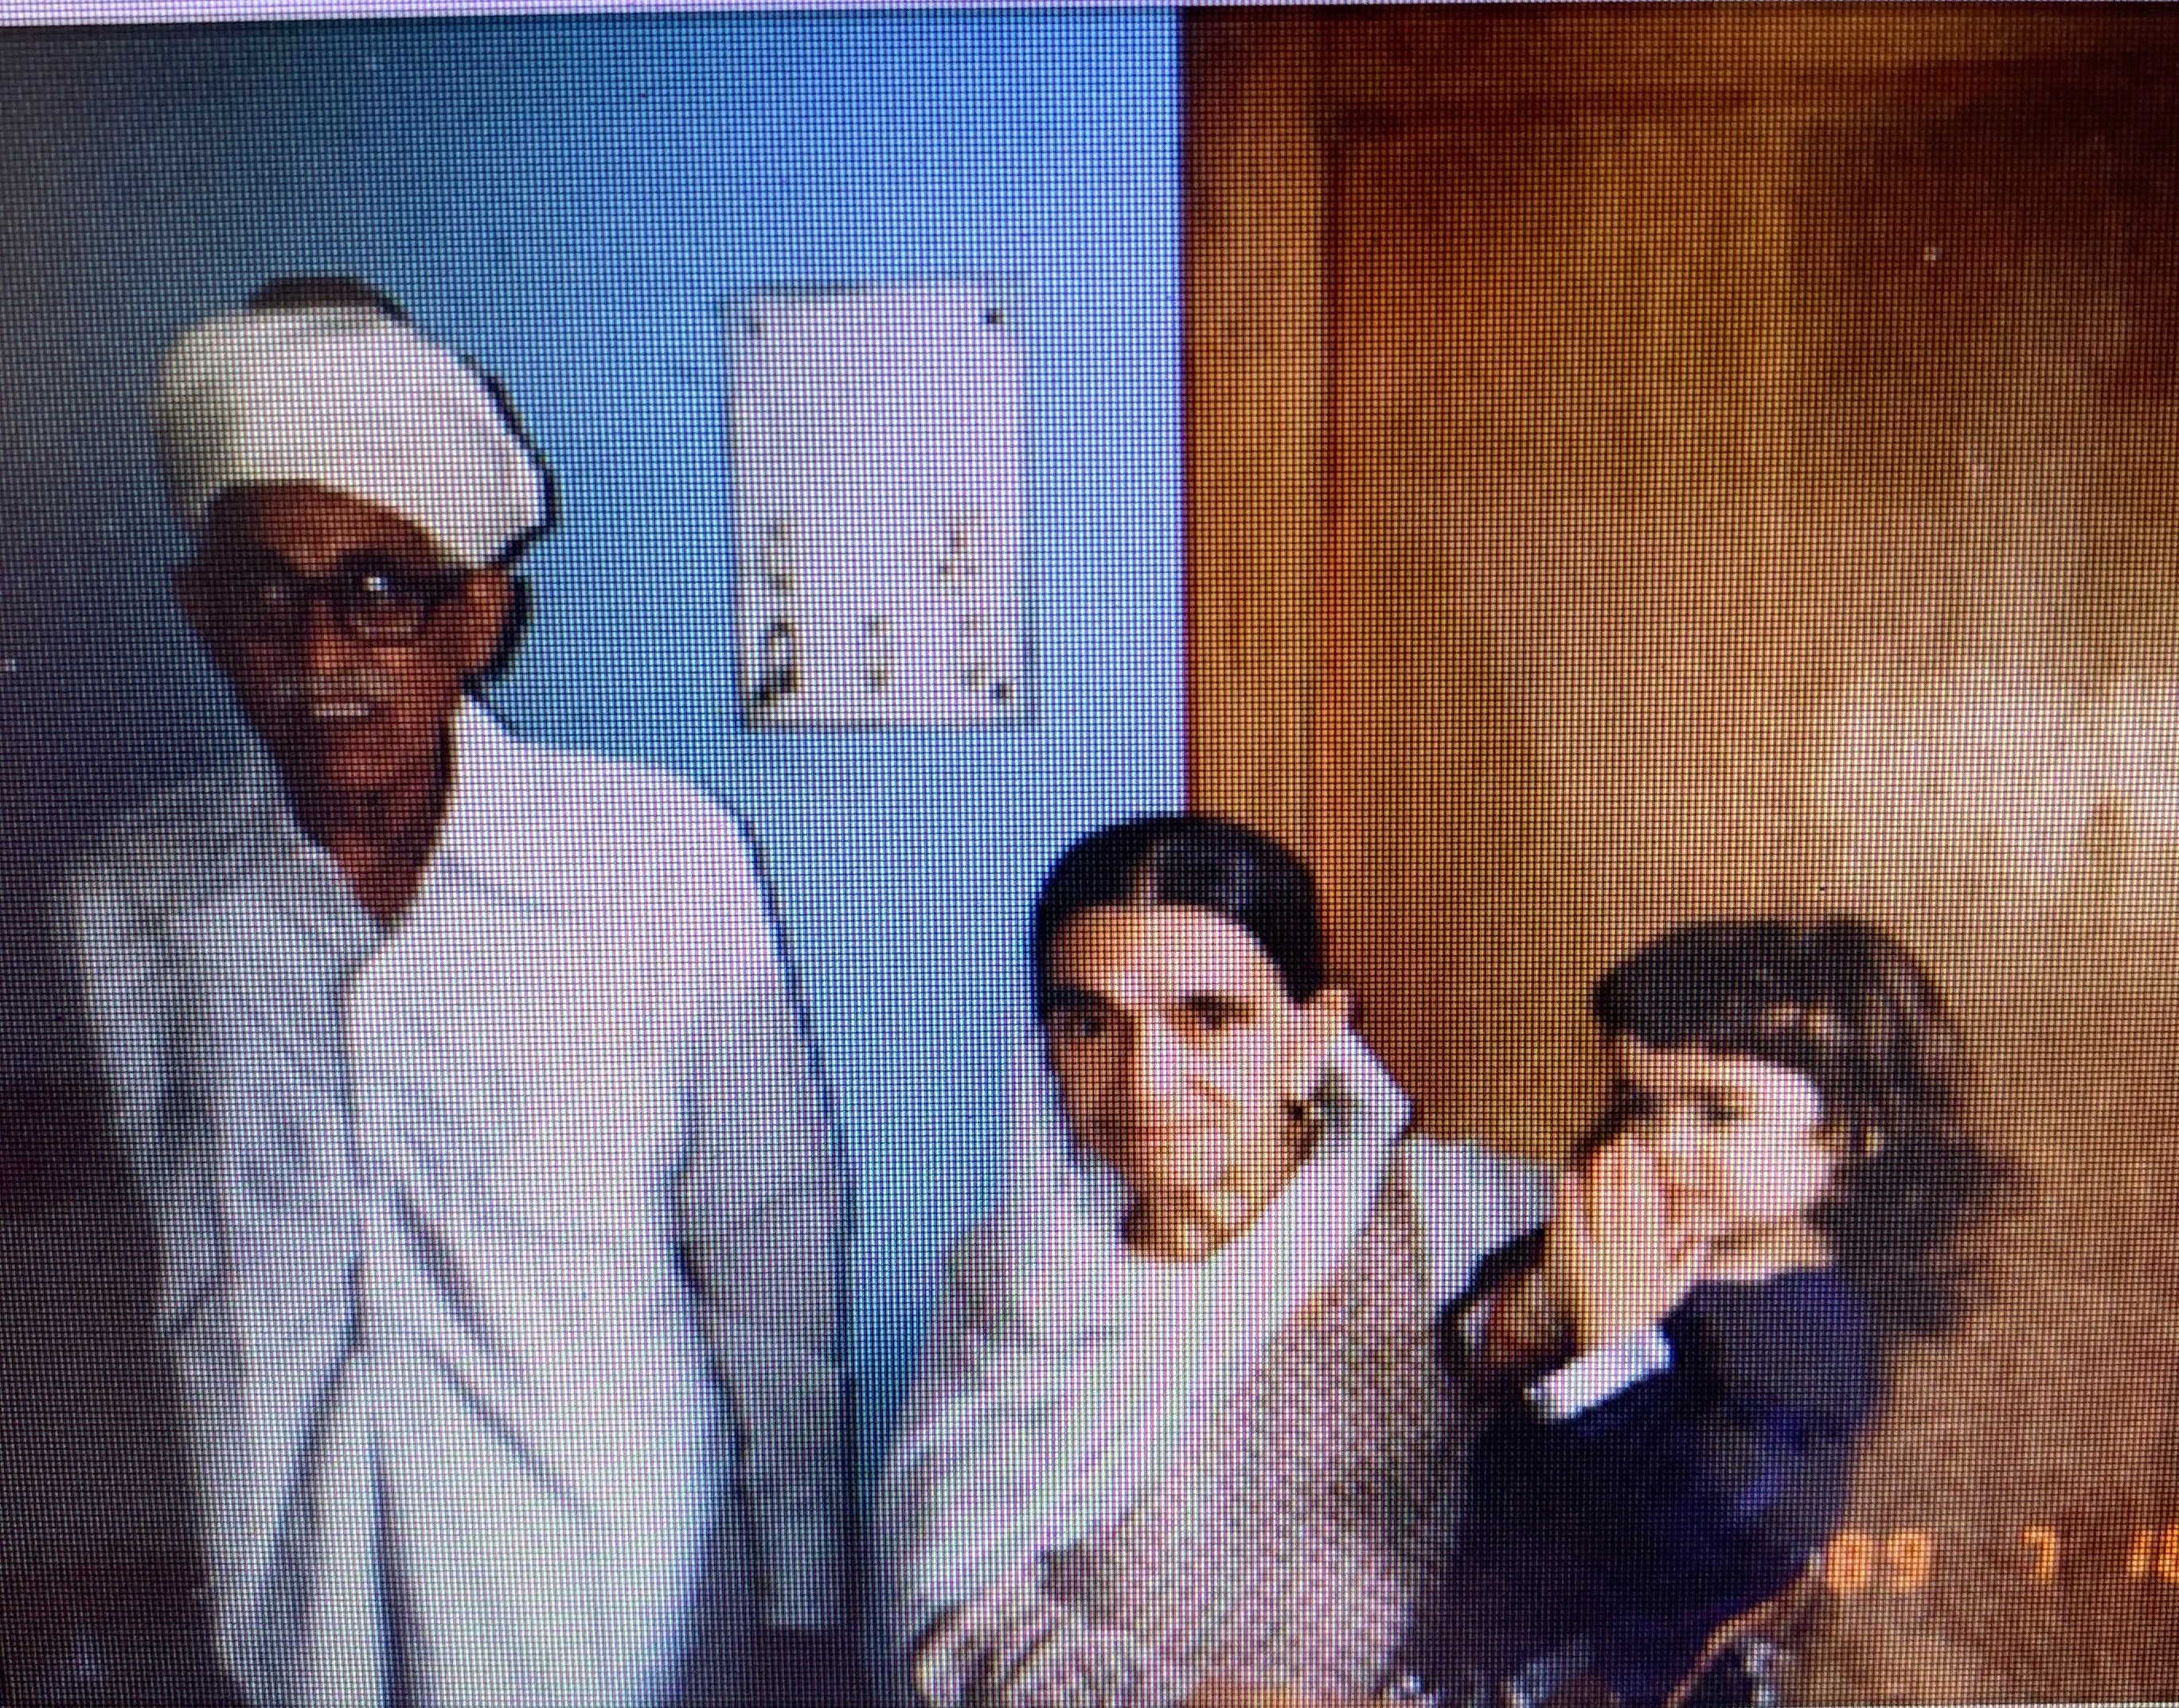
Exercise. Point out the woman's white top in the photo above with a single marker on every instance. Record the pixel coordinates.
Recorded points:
(1078, 1405)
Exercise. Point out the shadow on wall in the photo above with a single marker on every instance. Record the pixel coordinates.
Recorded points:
(98, 1567)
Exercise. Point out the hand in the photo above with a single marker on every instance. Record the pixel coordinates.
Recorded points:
(1614, 1260)
(1526, 1332)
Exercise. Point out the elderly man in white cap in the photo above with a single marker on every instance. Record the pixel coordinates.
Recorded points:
(497, 1202)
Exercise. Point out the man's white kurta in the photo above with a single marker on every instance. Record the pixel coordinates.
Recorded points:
(500, 1247)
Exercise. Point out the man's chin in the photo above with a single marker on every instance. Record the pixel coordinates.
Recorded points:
(331, 764)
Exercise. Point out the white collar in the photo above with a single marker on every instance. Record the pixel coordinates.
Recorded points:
(480, 796)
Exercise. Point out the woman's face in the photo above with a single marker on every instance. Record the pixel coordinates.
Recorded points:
(1740, 1143)
(1180, 1059)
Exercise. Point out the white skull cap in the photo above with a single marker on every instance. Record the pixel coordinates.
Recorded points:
(348, 398)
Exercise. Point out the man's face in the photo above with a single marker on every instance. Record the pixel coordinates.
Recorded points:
(347, 635)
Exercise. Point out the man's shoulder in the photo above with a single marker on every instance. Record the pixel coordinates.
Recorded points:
(167, 850)
(613, 820)
(574, 781)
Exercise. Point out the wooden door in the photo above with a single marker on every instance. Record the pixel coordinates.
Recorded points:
(1750, 475)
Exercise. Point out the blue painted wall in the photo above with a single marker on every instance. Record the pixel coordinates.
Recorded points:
(574, 201)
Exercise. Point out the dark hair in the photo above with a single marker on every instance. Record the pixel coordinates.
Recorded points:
(344, 291)
(1190, 860)
(1841, 1003)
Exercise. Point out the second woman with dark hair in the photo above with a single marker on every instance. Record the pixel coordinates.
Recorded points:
(1176, 1424)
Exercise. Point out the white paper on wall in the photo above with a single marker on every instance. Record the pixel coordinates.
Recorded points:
(876, 449)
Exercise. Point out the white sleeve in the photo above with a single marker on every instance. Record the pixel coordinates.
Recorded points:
(943, 1528)
(959, 1564)
(124, 984)
(1470, 1199)
(1598, 1373)
(761, 1211)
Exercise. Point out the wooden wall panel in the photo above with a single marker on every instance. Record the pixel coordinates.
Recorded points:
(1749, 509)
(1254, 364)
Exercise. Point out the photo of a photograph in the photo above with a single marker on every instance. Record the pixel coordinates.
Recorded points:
(1228, 856)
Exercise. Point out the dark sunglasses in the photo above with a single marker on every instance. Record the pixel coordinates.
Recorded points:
(375, 597)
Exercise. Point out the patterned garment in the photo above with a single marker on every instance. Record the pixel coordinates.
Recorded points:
(1290, 1548)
